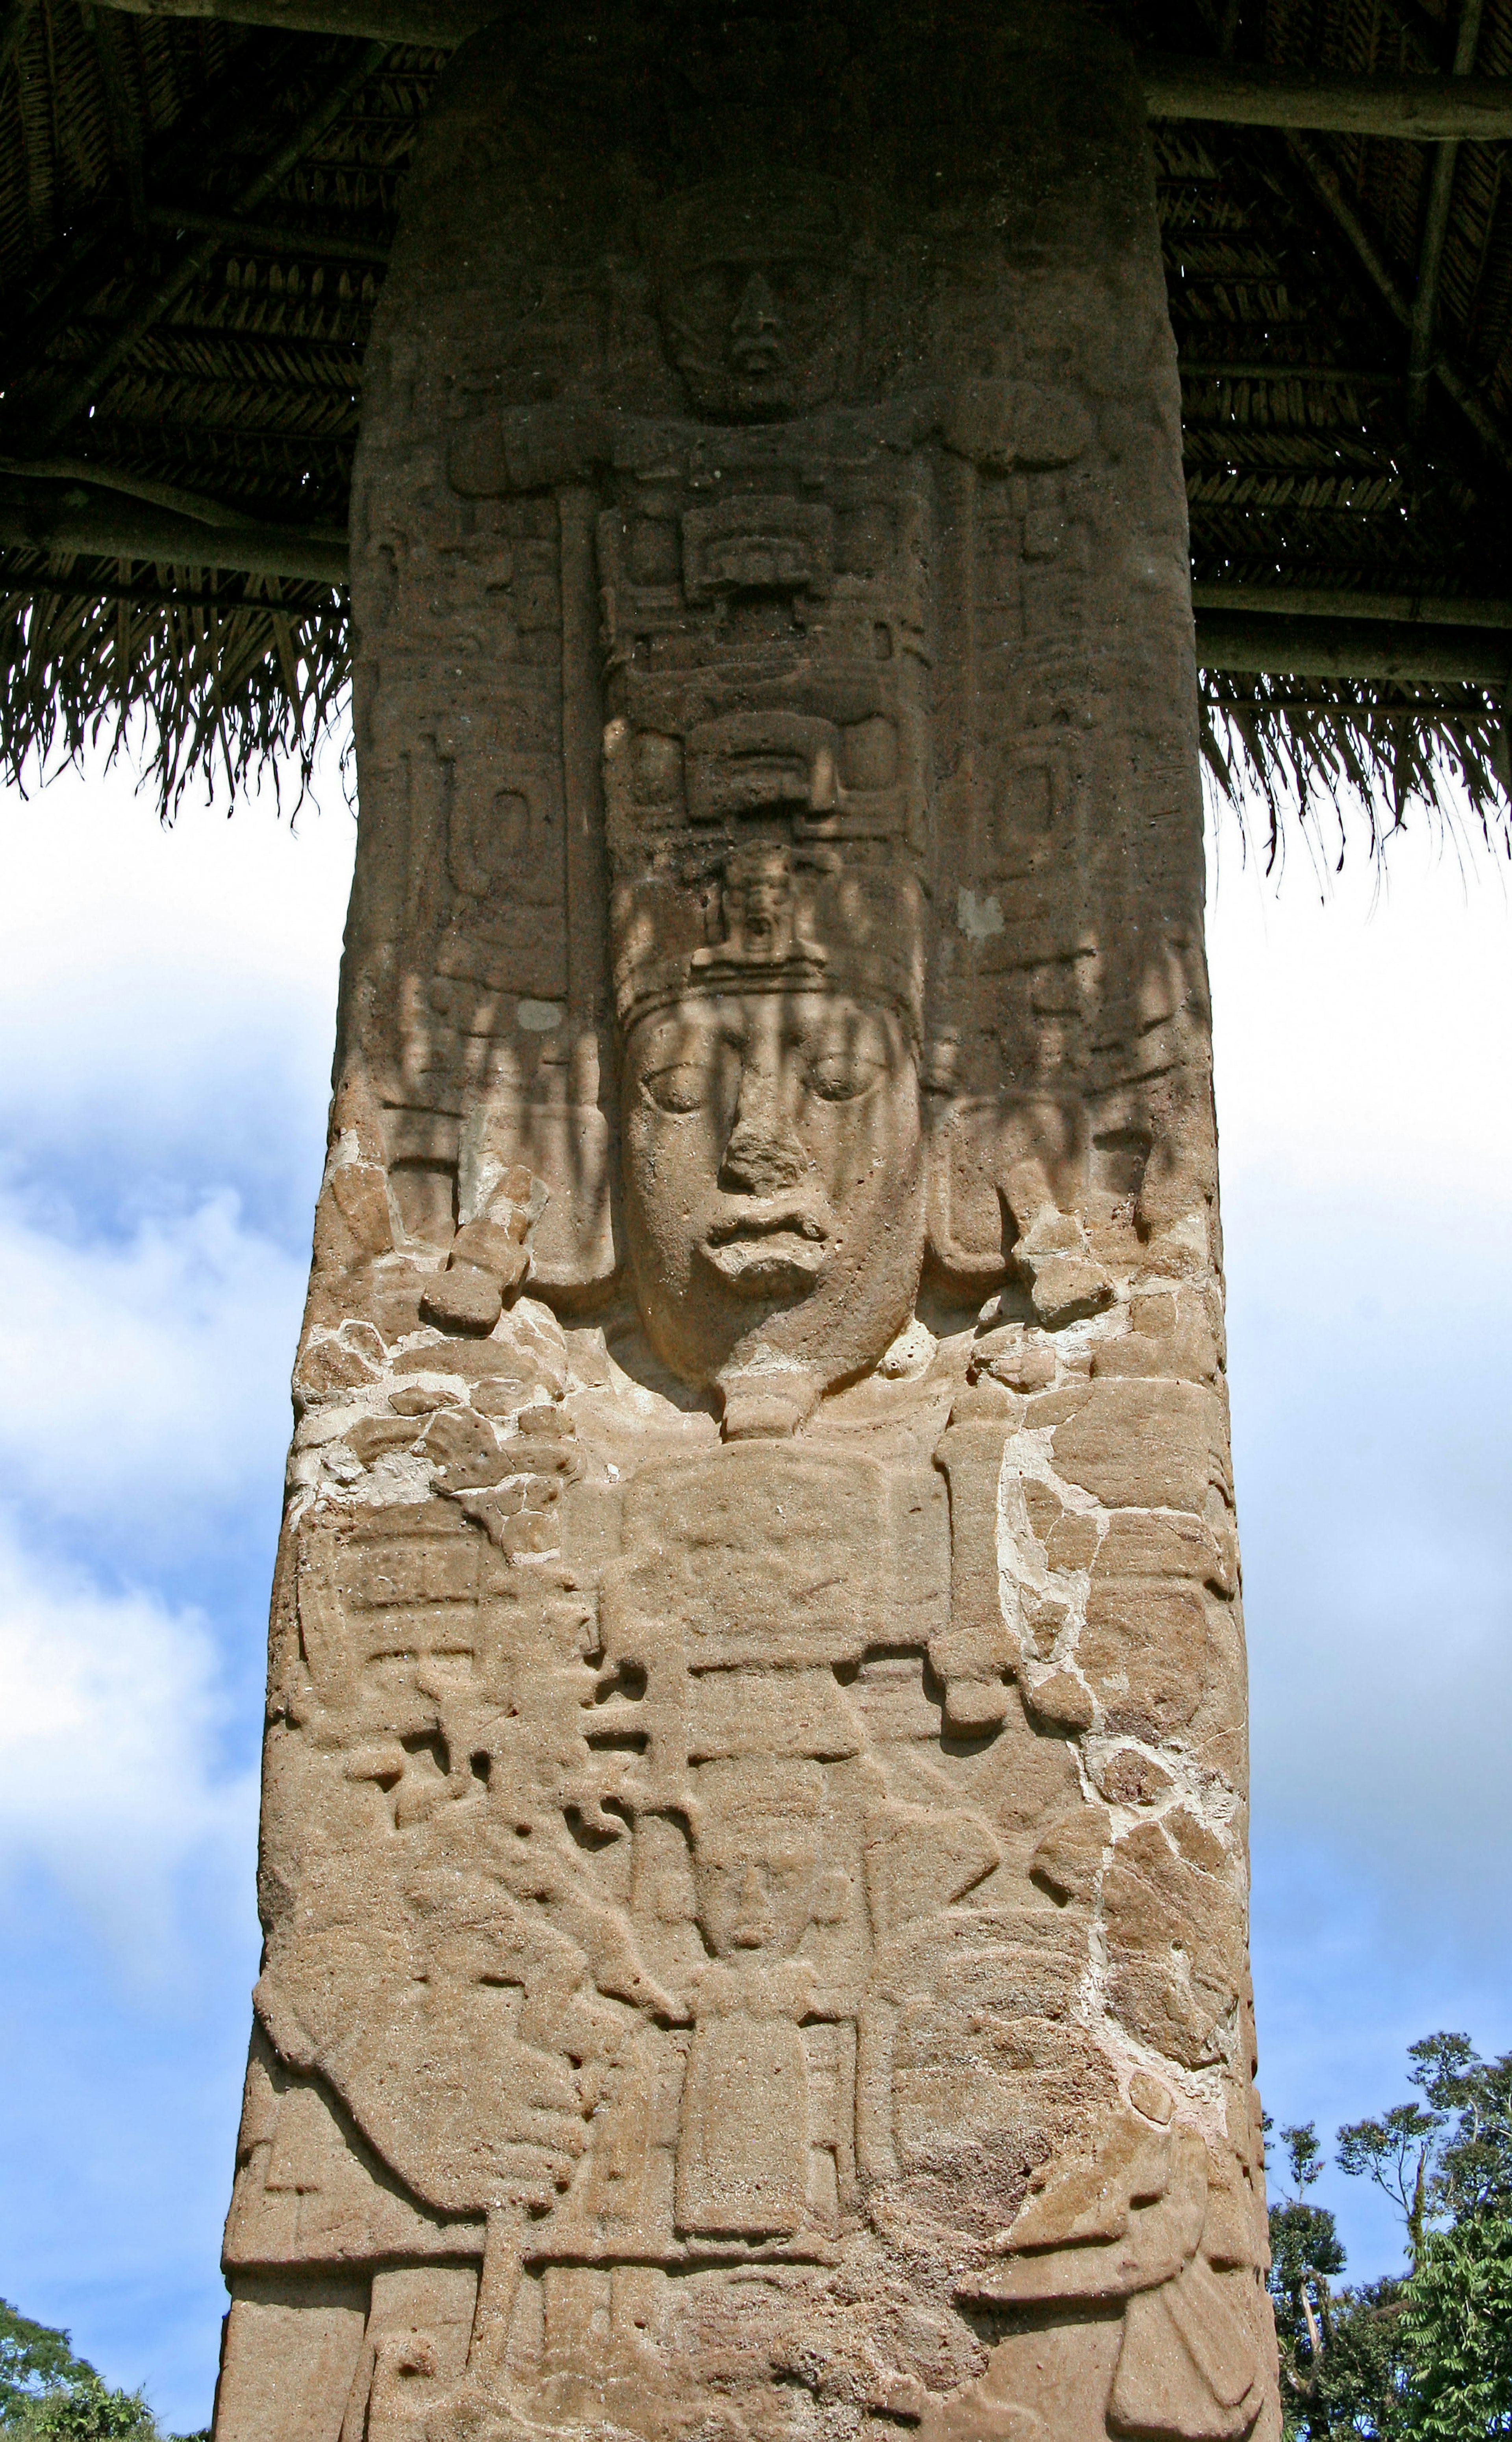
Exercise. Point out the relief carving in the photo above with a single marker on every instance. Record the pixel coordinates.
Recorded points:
(753, 1858)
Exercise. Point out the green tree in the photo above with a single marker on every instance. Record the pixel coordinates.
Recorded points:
(1444, 2159)
(1458, 2328)
(49, 2395)
(1341, 2371)
(91, 2412)
(1472, 2173)
(1396, 2153)
(1458, 2321)
(34, 2360)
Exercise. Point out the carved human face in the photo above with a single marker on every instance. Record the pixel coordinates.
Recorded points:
(761, 332)
(755, 1885)
(774, 1180)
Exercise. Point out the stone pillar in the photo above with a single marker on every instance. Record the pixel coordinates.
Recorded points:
(753, 1828)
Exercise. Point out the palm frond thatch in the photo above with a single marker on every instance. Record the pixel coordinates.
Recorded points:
(1328, 760)
(226, 680)
(127, 141)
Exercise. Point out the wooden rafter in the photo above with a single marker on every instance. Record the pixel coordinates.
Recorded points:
(81, 392)
(1435, 228)
(1416, 109)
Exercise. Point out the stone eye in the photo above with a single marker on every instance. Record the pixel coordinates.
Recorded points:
(842, 1076)
(683, 1085)
(710, 291)
(797, 283)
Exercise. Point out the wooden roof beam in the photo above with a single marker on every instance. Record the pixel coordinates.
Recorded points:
(1295, 634)
(1412, 653)
(1341, 602)
(36, 516)
(438, 25)
(1423, 109)
(266, 237)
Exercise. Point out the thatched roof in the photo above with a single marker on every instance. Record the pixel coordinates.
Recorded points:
(194, 217)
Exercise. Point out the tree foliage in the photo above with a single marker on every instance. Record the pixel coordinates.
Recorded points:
(34, 2360)
(1341, 2366)
(1427, 2356)
(49, 2395)
(1458, 2330)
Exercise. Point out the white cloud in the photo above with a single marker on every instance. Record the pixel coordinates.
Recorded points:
(97, 887)
(1366, 1140)
(147, 1376)
(1361, 1033)
(1366, 1135)
(111, 1712)
(169, 996)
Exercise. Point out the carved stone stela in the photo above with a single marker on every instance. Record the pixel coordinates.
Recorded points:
(752, 1853)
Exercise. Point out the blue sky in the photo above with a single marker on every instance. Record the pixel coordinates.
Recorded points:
(167, 1000)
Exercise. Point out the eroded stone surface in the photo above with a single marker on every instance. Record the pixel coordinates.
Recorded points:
(752, 1856)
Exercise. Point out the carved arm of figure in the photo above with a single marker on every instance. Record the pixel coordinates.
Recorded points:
(1132, 2224)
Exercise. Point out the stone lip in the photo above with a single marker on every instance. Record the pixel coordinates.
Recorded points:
(775, 1245)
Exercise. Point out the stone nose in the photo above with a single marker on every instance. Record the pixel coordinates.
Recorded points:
(753, 1909)
(757, 317)
(763, 1156)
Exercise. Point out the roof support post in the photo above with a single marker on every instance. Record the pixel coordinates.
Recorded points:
(1435, 228)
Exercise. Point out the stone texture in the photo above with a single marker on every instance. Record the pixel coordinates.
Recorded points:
(752, 1853)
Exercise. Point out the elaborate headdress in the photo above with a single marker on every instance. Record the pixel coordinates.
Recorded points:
(771, 913)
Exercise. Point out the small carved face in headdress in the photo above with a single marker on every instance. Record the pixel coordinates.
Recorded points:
(756, 1856)
(758, 298)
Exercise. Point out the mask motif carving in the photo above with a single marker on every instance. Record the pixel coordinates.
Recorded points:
(753, 1836)
(760, 295)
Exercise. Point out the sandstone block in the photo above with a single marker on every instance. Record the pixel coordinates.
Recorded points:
(1137, 1445)
(493, 1248)
(1061, 1701)
(1160, 1543)
(1011, 1359)
(1175, 1942)
(1069, 1857)
(1145, 1652)
(353, 1219)
(1067, 1288)
(340, 1363)
(463, 1299)
(375, 1437)
(1072, 1542)
(1130, 1779)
